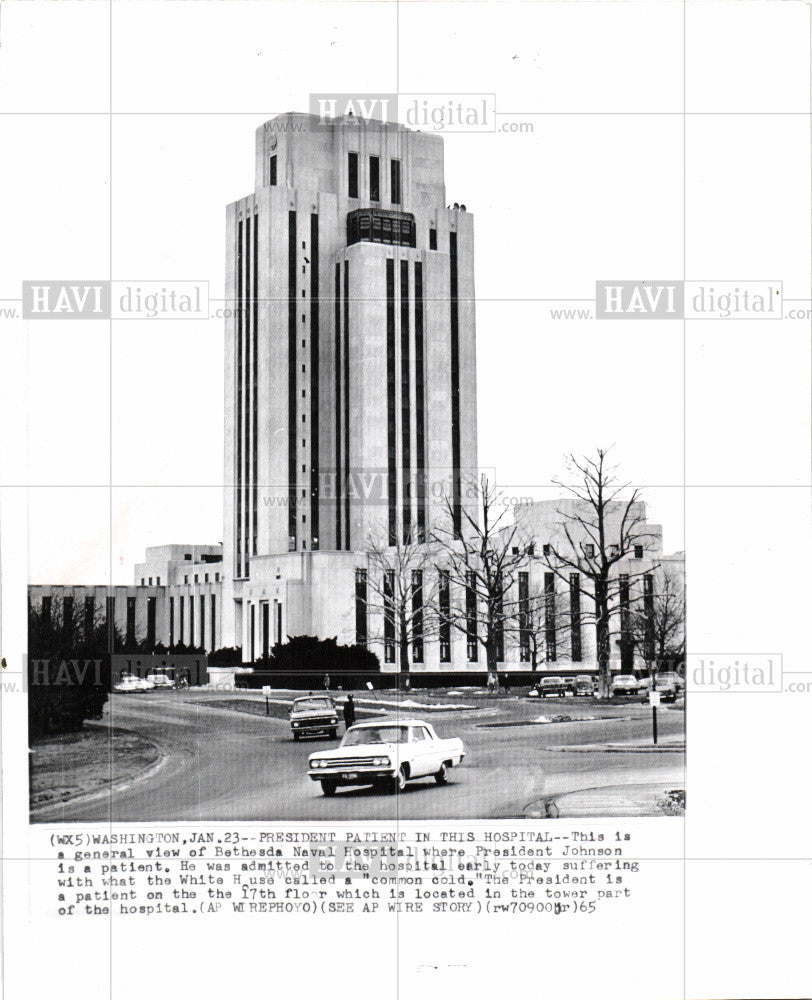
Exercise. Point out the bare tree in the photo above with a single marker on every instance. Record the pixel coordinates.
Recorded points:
(482, 561)
(401, 595)
(658, 623)
(541, 625)
(601, 528)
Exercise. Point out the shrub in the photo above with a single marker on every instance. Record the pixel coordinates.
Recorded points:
(320, 656)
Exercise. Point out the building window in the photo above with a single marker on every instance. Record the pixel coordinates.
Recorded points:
(143, 581)
(216, 577)
(206, 578)
(171, 622)
(213, 621)
(638, 552)
(196, 578)
(499, 623)
(151, 609)
(546, 550)
(389, 615)
(361, 629)
(157, 581)
(432, 239)
(374, 179)
(188, 556)
(391, 412)
(186, 578)
(471, 618)
(191, 621)
(417, 615)
(648, 611)
(352, 175)
(551, 650)
(46, 609)
(150, 581)
(272, 171)
(182, 621)
(623, 597)
(589, 551)
(395, 182)
(130, 622)
(445, 616)
(524, 617)
(575, 616)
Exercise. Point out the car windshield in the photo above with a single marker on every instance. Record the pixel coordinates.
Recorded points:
(375, 734)
(312, 705)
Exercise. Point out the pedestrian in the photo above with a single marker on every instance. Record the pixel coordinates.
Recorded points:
(349, 712)
(326, 682)
(506, 683)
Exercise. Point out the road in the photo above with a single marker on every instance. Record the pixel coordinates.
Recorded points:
(226, 765)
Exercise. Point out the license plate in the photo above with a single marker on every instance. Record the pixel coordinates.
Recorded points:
(350, 776)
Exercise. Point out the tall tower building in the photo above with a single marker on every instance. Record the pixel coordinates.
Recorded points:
(349, 363)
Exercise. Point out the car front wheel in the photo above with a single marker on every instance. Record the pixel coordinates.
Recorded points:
(329, 787)
(398, 783)
(441, 777)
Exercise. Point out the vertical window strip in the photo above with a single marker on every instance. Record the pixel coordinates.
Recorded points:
(444, 594)
(455, 389)
(348, 470)
(550, 617)
(389, 615)
(247, 392)
(420, 391)
(405, 404)
(417, 615)
(254, 391)
(292, 369)
(314, 380)
(238, 425)
(471, 617)
(575, 616)
(338, 471)
(213, 623)
(361, 626)
(391, 426)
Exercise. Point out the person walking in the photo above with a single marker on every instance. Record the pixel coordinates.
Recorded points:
(349, 712)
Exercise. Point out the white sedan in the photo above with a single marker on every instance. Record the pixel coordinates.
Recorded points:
(388, 753)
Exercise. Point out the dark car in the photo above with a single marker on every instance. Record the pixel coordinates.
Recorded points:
(314, 715)
(551, 685)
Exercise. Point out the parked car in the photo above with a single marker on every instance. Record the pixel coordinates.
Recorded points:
(161, 681)
(663, 684)
(130, 684)
(676, 679)
(387, 753)
(624, 685)
(584, 685)
(551, 685)
(314, 715)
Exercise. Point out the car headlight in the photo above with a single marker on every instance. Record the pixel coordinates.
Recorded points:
(295, 724)
(315, 764)
(383, 761)
(334, 721)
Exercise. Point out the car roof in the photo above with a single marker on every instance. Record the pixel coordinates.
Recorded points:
(312, 697)
(389, 722)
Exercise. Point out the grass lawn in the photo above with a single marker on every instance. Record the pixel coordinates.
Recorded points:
(63, 767)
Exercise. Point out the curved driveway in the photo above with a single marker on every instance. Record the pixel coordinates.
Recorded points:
(227, 765)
